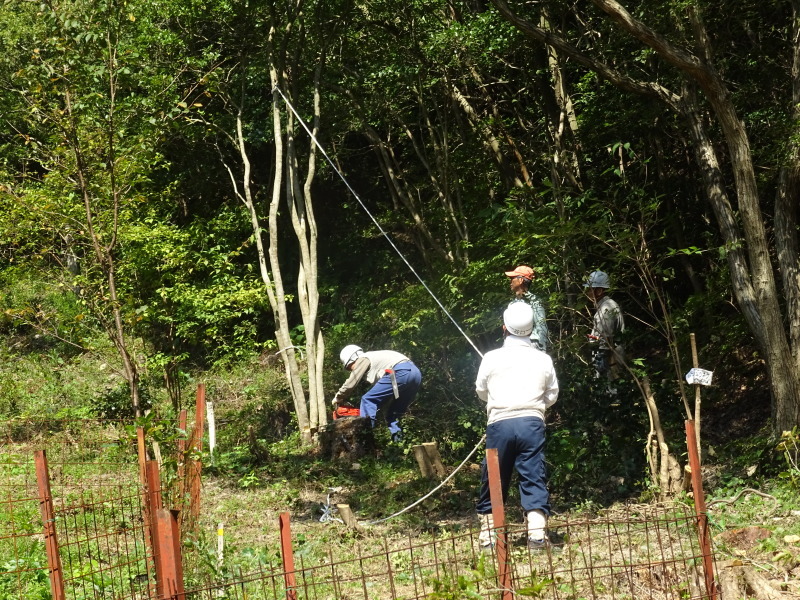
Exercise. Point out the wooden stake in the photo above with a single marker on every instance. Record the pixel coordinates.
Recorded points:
(212, 427)
(157, 453)
(696, 393)
(423, 461)
(348, 517)
(435, 459)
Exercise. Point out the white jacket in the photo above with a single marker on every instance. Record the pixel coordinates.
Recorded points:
(516, 380)
(370, 366)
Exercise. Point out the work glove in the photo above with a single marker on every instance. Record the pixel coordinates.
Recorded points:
(335, 400)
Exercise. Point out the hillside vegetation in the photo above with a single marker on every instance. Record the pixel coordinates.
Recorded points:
(229, 193)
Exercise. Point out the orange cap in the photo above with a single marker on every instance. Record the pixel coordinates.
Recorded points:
(521, 271)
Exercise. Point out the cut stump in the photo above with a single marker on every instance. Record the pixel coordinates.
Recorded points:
(347, 439)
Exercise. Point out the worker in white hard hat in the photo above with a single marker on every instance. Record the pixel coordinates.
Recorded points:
(520, 280)
(518, 383)
(607, 325)
(394, 378)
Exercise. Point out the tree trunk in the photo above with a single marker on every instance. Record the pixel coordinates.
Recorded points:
(489, 138)
(765, 324)
(404, 196)
(665, 470)
(786, 214)
(106, 300)
(755, 285)
(277, 297)
(316, 342)
(305, 228)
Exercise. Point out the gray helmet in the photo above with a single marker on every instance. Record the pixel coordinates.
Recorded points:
(598, 279)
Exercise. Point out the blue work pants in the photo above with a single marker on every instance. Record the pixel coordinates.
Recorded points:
(520, 446)
(381, 398)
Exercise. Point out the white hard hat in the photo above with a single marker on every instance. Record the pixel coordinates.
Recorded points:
(349, 354)
(518, 319)
(598, 279)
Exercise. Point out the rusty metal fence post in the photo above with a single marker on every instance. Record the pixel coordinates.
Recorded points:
(700, 511)
(181, 458)
(176, 551)
(165, 539)
(169, 568)
(288, 557)
(196, 464)
(48, 519)
(499, 518)
(141, 448)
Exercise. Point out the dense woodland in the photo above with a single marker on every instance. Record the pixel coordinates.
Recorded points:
(164, 207)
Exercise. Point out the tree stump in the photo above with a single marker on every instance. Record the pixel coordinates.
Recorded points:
(737, 580)
(347, 439)
(429, 460)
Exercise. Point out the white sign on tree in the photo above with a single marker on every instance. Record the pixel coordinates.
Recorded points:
(699, 377)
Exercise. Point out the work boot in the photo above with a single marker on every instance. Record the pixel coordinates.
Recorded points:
(537, 522)
(487, 536)
(538, 545)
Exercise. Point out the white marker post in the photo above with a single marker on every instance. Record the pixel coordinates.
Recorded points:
(220, 553)
(212, 428)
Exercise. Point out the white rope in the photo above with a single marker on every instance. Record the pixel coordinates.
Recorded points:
(327, 509)
(300, 348)
(374, 220)
(429, 494)
(326, 513)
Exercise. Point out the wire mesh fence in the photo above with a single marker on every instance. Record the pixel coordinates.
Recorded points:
(86, 521)
(23, 563)
(92, 482)
(652, 552)
(103, 544)
(83, 455)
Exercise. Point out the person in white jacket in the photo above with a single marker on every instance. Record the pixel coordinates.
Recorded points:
(518, 383)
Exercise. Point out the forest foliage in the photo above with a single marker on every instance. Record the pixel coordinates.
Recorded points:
(164, 213)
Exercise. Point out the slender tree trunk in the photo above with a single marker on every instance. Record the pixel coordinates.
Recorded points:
(447, 187)
(665, 470)
(565, 165)
(307, 282)
(403, 195)
(279, 307)
(786, 208)
(786, 223)
(106, 300)
(489, 138)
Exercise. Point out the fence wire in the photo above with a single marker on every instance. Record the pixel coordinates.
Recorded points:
(651, 553)
(99, 514)
(98, 507)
